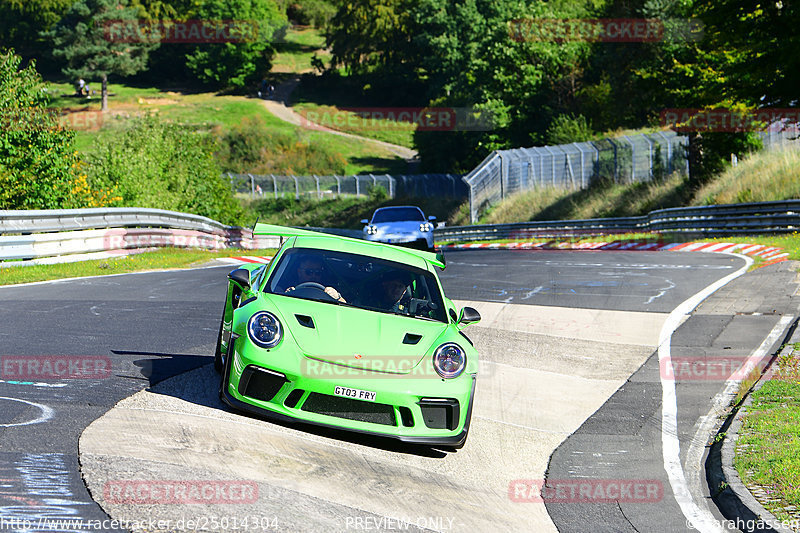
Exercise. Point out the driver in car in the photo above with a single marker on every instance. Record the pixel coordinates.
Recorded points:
(310, 270)
(393, 294)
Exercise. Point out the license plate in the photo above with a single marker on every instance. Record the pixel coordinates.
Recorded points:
(357, 394)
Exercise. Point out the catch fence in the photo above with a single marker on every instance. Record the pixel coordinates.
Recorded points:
(416, 185)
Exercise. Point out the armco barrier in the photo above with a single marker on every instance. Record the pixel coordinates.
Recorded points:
(41, 236)
(714, 220)
(77, 234)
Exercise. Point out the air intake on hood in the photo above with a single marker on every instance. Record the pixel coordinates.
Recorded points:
(411, 338)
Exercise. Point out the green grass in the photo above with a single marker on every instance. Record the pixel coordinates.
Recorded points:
(218, 113)
(295, 53)
(603, 199)
(395, 132)
(762, 177)
(768, 447)
(164, 259)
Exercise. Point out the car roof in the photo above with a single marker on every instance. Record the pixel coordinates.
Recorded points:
(325, 241)
(389, 207)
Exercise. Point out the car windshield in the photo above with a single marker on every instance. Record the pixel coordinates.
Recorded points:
(357, 281)
(398, 214)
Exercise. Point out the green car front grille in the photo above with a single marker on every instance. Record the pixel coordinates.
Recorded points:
(374, 413)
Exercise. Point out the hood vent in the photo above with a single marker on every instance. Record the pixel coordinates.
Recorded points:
(305, 321)
(411, 338)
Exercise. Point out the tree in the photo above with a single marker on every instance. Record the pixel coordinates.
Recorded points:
(84, 42)
(22, 21)
(236, 64)
(39, 167)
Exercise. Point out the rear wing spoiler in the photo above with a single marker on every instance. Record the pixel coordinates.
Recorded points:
(436, 259)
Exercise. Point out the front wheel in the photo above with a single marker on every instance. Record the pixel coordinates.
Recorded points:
(218, 362)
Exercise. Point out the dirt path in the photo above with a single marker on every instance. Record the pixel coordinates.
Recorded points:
(279, 106)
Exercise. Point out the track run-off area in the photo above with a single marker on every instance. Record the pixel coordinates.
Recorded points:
(580, 384)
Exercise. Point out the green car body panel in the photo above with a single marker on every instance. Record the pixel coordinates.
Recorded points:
(344, 366)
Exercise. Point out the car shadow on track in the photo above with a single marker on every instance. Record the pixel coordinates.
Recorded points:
(201, 387)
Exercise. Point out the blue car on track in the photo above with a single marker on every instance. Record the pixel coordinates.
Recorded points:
(403, 225)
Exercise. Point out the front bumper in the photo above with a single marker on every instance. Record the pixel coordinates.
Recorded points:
(432, 412)
(420, 242)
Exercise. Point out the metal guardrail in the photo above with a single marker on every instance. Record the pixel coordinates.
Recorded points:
(42, 221)
(714, 220)
(72, 233)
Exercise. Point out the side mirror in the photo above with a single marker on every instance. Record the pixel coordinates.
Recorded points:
(364, 221)
(468, 315)
(431, 218)
(241, 276)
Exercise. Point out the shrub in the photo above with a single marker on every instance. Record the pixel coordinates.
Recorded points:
(165, 166)
(39, 167)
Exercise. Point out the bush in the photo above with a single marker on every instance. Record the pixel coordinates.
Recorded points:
(39, 167)
(253, 147)
(164, 166)
(565, 129)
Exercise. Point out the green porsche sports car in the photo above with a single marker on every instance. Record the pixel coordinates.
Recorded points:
(350, 334)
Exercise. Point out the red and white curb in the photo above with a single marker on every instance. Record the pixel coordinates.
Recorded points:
(246, 259)
(771, 254)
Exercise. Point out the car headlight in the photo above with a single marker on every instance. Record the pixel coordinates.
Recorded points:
(449, 360)
(371, 230)
(265, 329)
(425, 227)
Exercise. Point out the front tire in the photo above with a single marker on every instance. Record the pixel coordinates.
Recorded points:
(218, 363)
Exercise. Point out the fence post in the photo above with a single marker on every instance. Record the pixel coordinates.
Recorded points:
(650, 145)
(338, 186)
(502, 175)
(633, 158)
(541, 168)
(252, 186)
(568, 164)
(552, 164)
(296, 188)
(391, 185)
(583, 166)
(358, 187)
(319, 194)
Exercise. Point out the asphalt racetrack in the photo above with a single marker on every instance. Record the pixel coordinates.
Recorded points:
(570, 388)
